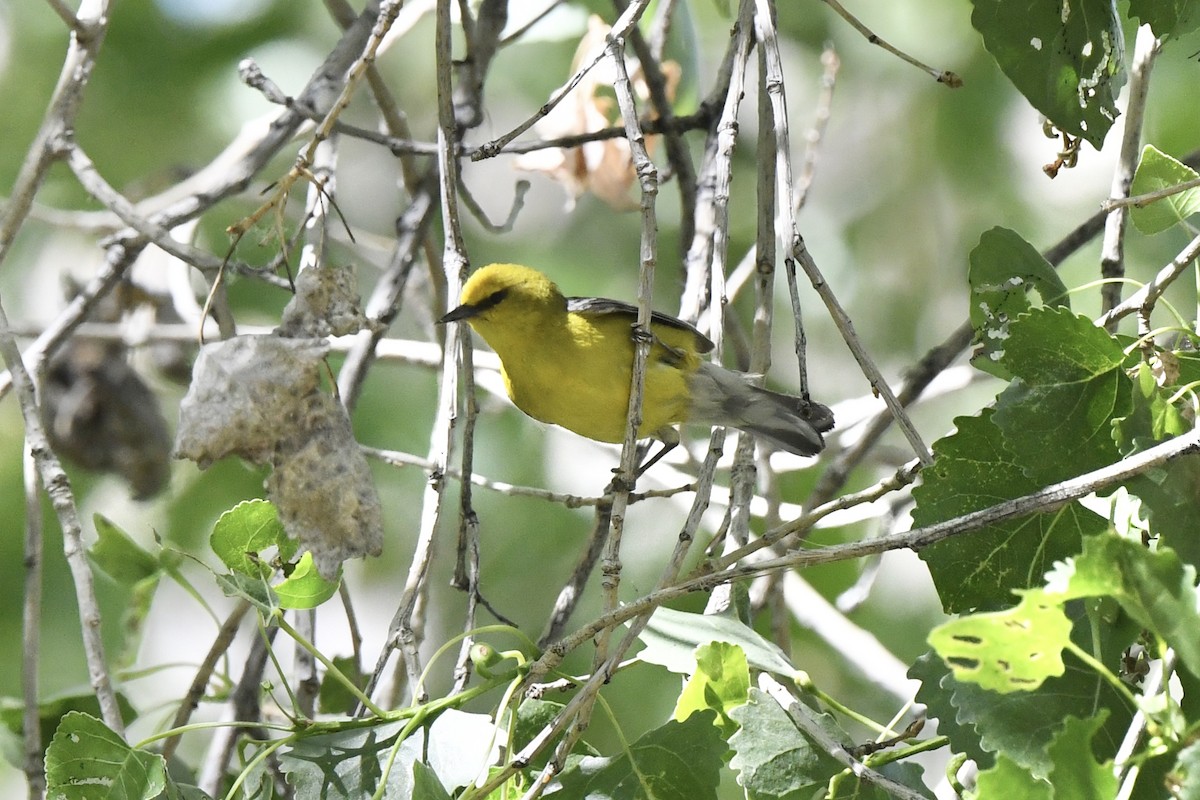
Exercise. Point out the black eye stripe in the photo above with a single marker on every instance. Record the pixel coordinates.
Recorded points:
(492, 300)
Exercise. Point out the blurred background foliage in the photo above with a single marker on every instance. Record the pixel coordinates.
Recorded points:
(909, 173)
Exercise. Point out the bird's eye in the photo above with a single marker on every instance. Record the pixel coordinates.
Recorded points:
(492, 300)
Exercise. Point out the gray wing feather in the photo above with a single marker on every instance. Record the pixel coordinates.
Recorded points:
(603, 306)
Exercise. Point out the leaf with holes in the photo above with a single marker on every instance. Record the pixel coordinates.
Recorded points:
(1066, 57)
(1006, 651)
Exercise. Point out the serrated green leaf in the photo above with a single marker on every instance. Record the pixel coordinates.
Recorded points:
(1076, 774)
(1006, 651)
(1154, 588)
(1155, 171)
(720, 683)
(87, 761)
(1004, 268)
(936, 692)
(250, 527)
(304, 587)
(1021, 725)
(1008, 780)
(671, 639)
(118, 556)
(1067, 58)
(352, 764)
(53, 709)
(1167, 18)
(772, 757)
(973, 469)
(678, 761)
(1052, 346)
(1058, 419)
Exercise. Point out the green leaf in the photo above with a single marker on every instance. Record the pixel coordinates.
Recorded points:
(532, 717)
(937, 693)
(671, 639)
(87, 761)
(1154, 588)
(304, 587)
(1076, 774)
(1021, 725)
(1151, 419)
(250, 527)
(461, 746)
(1167, 18)
(678, 761)
(1006, 651)
(772, 757)
(1187, 767)
(253, 590)
(352, 764)
(721, 682)
(118, 556)
(136, 570)
(1008, 780)
(1058, 419)
(1155, 171)
(1052, 346)
(1066, 58)
(973, 469)
(333, 697)
(1004, 268)
(426, 785)
(52, 710)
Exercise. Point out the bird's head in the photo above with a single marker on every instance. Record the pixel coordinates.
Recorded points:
(500, 290)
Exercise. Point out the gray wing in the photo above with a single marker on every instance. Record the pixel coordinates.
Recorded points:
(603, 305)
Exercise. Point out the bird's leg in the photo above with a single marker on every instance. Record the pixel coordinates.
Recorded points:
(666, 448)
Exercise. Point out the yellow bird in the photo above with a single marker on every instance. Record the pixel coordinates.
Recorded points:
(569, 361)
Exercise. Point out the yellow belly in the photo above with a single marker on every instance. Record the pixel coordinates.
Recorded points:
(581, 382)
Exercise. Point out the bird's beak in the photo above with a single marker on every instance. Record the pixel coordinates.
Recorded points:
(460, 313)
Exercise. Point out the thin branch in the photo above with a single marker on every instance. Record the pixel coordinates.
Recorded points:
(67, 16)
(619, 29)
(713, 574)
(89, 26)
(1144, 298)
(943, 76)
(1143, 200)
(58, 487)
(31, 629)
(1112, 254)
(789, 233)
(801, 715)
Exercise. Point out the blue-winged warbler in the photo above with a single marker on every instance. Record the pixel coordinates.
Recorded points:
(569, 361)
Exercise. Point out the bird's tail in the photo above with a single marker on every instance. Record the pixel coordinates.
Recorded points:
(723, 397)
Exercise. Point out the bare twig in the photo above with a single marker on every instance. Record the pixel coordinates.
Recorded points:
(58, 487)
(1143, 299)
(814, 731)
(1143, 200)
(31, 622)
(788, 232)
(943, 76)
(1112, 254)
(88, 27)
(619, 29)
